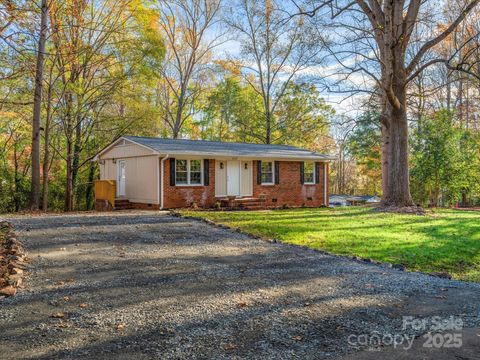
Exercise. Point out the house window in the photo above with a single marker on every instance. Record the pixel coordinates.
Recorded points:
(181, 172)
(188, 172)
(195, 172)
(309, 172)
(267, 172)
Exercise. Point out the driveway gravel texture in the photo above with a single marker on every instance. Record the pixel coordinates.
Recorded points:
(147, 285)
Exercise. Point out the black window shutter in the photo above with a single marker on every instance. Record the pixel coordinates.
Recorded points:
(277, 172)
(317, 173)
(259, 172)
(172, 172)
(206, 172)
(302, 173)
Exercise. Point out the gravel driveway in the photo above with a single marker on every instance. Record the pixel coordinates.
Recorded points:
(147, 285)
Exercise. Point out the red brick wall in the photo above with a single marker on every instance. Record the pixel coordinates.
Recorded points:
(290, 191)
(183, 196)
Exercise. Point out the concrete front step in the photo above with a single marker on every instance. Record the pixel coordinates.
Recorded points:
(246, 203)
(123, 204)
(247, 200)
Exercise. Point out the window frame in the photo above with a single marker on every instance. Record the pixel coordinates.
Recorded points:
(313, 173)
(273, 173)
(189, 172)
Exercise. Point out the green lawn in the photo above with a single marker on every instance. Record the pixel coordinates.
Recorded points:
(444, 240)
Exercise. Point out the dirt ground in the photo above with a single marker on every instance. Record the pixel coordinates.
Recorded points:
(146, 285)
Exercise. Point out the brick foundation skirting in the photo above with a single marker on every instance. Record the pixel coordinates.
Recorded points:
(142, 206)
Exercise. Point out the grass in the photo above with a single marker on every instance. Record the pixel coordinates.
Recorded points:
(441, 241)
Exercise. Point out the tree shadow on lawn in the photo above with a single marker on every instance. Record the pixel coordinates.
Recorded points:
(453, 247)
(319, 214)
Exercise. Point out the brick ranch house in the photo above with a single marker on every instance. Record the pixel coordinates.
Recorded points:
(166, 173)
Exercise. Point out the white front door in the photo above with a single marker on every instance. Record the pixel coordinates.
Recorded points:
(121, 178)
(233, 178)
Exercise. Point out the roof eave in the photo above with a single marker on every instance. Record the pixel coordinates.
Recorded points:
(324, 158)
(112, 144)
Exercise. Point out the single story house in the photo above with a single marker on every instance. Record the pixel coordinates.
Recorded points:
(172, 173)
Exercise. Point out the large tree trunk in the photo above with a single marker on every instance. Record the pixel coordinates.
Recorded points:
(398, 183)
(37, 108)
(395, 169)
(384, 156)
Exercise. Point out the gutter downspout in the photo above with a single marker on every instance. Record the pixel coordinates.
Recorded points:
(325, 184)
(160, 185)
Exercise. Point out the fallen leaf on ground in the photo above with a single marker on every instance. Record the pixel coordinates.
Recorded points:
(297, 338)
(58, 315)
(120, 327)
(229, 346)
(83, 305)
(66, 298)
(8, 291)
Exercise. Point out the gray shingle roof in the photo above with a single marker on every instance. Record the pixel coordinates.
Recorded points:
(212, 148)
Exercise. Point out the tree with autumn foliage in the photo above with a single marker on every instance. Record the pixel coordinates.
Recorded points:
(274, 53)
(391, 43)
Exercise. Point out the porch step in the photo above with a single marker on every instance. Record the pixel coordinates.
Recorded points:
(123, 204)
(249, 203)
(247, 200)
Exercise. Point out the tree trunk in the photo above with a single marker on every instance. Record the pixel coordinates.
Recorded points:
(384, 157)
(46, 148)
(268, 134)
(69, 184)
(398, 183)
(464, 198)
(179, 114)
(76, 160)
(16, 178)
(46, 163)
(89, 203)
(37, 108)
